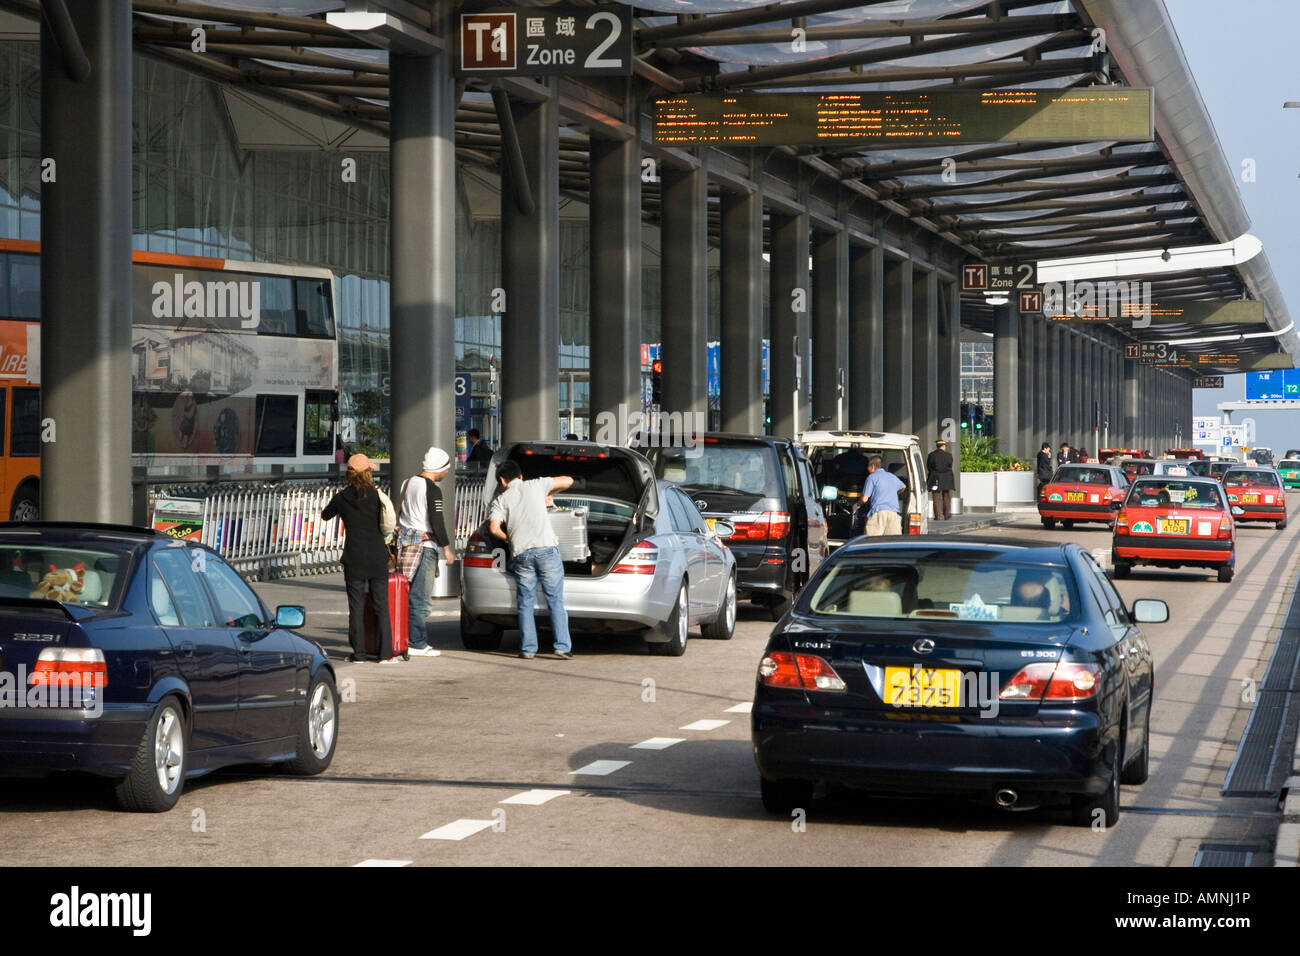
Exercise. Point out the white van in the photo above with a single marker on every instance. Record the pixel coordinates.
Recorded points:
(839, 461)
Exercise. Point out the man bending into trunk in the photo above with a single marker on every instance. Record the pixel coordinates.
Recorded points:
(521, 507)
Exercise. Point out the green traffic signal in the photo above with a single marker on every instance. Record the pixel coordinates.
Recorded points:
(963, 425)
(979, 425)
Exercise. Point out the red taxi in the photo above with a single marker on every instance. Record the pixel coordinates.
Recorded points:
(1256, 494)
(1106, 454)
(1081, 493)
(1169, 522)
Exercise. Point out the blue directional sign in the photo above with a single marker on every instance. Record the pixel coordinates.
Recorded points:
(1273, 386)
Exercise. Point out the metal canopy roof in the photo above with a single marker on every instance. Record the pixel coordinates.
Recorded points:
(1011, 201)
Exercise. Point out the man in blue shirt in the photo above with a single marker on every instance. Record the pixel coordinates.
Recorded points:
(880, 498)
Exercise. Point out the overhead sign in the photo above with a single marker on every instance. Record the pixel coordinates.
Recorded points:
(1031, 301)
(1208, 381)
(906, 117)
(1232, 436)
(1205, 431)
(1005, 277)
(1132, 350)
(1131, 302)
(1277, 385)
(541, 41)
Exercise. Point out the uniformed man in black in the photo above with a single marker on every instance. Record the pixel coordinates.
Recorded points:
(938, 465)
(1043, 466)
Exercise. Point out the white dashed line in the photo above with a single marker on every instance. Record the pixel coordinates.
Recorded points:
(705, 725)
(657, 743)
(744, 708)
(600, 768)
(458, 830)
(382, 863)
(535, 798)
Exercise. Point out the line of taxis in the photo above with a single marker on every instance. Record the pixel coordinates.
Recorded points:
(1168, 513)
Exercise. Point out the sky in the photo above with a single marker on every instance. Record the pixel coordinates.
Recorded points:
(1243, 57)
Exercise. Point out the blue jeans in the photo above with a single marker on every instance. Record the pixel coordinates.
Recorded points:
(528, 567)
(418, 603)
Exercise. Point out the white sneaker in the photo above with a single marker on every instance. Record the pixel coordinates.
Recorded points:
(424, 652)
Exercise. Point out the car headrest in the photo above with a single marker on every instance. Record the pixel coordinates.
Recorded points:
(875, 604)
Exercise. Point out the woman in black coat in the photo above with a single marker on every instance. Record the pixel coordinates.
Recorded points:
(365, 557)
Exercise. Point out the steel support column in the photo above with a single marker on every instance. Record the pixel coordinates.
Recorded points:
(684, 250)
(615, 267)
(85, 330)
(830, 326)
(1132, 422)
(1006, 377)
(1028, 344)
(925, 343)
(866, 338)
(530, 243)
(789, 302)
(741, 257)
(897, 400)
(1052, 386)
(949, 372)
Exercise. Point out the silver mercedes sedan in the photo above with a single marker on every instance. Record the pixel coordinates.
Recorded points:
(638, 557)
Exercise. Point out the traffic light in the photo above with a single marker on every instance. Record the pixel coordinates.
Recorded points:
(963, 424)
(657, 382)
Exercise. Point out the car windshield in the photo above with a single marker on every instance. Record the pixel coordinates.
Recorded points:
(951, 585)
(71, 574)
(1250, 479)
(844, 467)
(1076, 475)
(1159, 492)
(741, 468)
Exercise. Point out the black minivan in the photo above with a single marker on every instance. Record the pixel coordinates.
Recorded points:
(764, 486)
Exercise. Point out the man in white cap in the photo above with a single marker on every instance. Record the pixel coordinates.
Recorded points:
(421, 531)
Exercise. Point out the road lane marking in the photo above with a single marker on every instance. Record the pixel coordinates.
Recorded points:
(382, 863)
(600, 768)
(705, 725)
(458, 830)
(535, 798)
(657, 743)
(744, 708)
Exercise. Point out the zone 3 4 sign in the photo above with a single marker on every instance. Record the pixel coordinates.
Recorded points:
(540, 41)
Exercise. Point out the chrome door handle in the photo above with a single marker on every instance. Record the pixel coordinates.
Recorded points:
(187, 648)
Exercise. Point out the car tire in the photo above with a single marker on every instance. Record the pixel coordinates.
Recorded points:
(1122, 569)
(783, 796)
(677, 625)
(1139, 768)
(1281, 525)
(26, 505)
(779, 605)
(723, 627)
(1225, 574)
(1085, 806)
(158, 769)
(318, 729)
(479, 635)
(1067, 523)
(1049, 523)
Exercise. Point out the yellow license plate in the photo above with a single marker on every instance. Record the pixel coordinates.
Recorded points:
(1074, 496)
(1173, 525)
(1250, 499)
(710, 521)
(922, 687)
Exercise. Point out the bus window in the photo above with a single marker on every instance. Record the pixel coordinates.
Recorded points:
(25, 425)
(313, 304)
(4, 285)
(318, 423)
(277, 426)
(24, 287)
(4, 395)
(275, 306)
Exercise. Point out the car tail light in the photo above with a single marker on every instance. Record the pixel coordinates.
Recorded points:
(914, 523)
(768, 525)
(642, 559)
(1225, 527)
(1121, 520)
(57, 666)
(805, 671)
(1048, 680)
(477, 552)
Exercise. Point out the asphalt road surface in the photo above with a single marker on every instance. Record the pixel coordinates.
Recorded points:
(618, 758)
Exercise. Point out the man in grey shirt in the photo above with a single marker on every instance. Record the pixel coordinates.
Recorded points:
(521, 507)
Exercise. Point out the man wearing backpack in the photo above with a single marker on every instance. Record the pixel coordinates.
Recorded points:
(421, 531)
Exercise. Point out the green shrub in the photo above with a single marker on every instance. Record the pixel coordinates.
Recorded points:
(980, 454)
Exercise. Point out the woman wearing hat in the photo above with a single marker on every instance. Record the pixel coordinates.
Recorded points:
(421, 531)
(365, 557)
(938, 464)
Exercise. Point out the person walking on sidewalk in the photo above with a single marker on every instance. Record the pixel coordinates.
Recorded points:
(938, 465)
(519, 516)
(880, 498)
(1043, 467)
(421, 531)
(365, 557)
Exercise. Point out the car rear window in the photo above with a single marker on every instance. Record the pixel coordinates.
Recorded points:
(70, 574)
(1159, 492)
(1289, 464)
(844, 467)
(946, 587)
(1256, 479)
(741, 468)
(1075, 474)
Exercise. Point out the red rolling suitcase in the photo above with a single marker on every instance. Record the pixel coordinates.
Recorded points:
(399, 609)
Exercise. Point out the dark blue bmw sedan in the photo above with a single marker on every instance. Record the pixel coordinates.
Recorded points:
(975, 667)
(132, 655)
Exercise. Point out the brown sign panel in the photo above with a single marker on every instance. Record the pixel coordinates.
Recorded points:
(547, 41)
(1208, 381)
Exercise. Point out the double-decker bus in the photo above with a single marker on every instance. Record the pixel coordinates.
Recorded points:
(233, 364)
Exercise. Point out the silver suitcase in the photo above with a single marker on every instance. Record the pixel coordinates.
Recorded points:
(570, 526)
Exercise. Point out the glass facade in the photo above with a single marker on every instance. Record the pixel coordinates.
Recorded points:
(977, 374)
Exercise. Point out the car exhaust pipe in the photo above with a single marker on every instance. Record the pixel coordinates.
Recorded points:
(1006, 799)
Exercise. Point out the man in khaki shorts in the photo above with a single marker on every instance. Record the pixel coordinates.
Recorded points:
(880, 498)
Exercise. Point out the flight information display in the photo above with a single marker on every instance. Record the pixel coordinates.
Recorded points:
(909, 117)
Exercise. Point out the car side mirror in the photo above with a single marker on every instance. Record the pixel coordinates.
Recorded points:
(1150, 611)
(830, 493)
(723, 528)
(290, 615)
